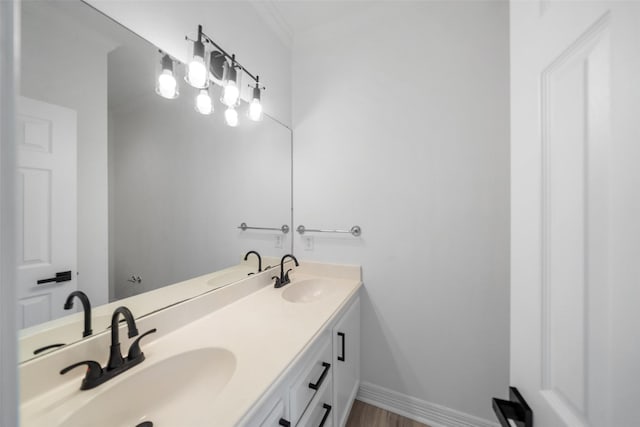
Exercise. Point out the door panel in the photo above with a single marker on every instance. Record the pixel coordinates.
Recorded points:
(571, 139)
(46, 217)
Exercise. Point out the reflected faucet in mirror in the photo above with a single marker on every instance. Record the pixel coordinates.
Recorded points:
(259, 260)
(284, 277)
(86, 307)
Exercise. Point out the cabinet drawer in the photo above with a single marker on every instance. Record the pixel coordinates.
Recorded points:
(316, 371)
(320, 412)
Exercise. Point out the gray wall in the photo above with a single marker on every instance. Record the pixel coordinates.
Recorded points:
(401, 125)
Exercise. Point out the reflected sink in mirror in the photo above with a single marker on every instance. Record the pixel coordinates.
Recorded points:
(177, 391)
(308, 290)
(37, 338)
(241, 272)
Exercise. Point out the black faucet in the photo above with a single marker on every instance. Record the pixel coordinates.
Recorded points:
(115, 357)
(259, 259)
(284, 277)
(86, 306)
(96, 374)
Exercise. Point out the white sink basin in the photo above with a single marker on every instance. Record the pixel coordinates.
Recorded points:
(177, 391)
(308, 290)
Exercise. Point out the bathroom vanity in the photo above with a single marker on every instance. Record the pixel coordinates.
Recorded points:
(246, 354)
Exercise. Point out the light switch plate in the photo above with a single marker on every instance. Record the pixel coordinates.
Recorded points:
(308, 243)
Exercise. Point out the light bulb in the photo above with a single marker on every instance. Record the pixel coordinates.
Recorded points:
(230, 94)
(203, 102)
(255, 110)
(231, 117)
(197, 72)
(167, 84)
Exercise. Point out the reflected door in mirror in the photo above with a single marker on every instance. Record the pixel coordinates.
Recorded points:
(47, 233)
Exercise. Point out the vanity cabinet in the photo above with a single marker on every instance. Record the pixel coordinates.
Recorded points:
(318, 389)
(346, 362)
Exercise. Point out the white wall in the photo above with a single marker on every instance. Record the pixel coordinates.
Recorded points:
(235, 25)
(401, 126)
(76, 68)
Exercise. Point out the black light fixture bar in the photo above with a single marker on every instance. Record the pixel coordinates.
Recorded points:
(232, 58)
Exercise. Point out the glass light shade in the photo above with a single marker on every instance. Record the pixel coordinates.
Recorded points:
(203, 102)
(255, 110)
(255, 106)
(230, 86)
(231, 117)
(230, 94)
(197, 74)
(166, 84)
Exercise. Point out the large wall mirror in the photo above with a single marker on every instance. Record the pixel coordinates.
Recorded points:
(122, 192)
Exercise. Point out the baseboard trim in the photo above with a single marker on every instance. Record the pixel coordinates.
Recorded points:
(419, 410)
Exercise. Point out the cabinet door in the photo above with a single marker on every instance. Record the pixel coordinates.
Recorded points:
(277, 416)
(346, 362)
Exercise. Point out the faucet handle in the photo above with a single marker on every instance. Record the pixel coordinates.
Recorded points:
(94, 370)
(277, 284)
(134, 350)
(286, 276)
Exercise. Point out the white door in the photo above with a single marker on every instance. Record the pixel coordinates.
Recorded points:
(46, 217)
(575, 224)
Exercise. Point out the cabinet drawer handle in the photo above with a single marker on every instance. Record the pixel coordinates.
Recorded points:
(318, 383)
(327, 409)
(284, 423)
(342, 336)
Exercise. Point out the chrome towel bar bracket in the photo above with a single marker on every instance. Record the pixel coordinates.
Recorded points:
(354, 231)
(284, 229)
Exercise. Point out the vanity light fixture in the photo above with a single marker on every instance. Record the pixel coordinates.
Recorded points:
(204, 105)
(231, 116)
(197, 70)
(166, 84)
(207, 67)
(255, 106)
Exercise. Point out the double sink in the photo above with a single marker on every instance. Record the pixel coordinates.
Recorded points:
(175, 389)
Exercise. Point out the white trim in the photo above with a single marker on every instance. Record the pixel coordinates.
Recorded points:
(419, 410)
(9, 48)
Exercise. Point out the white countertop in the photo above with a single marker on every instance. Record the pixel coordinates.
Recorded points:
(262, 330)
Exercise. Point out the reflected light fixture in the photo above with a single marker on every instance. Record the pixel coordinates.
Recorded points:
(255, 106)
(166, 84)
(204, 105)
(197, 74)
(231, 116)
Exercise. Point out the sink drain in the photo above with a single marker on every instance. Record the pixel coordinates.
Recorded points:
(145, 424)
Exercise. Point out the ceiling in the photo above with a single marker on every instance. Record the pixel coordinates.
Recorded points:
(290, 18)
